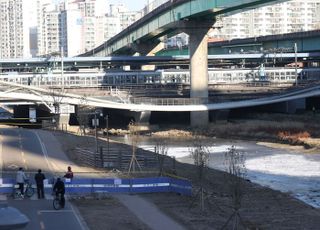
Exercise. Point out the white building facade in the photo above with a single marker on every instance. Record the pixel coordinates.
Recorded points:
(79, 26)
(287, 17)
(14, 29)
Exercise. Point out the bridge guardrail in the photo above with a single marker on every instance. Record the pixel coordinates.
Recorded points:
(170, 101)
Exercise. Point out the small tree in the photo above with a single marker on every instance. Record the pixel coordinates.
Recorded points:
(235, 165)
(134, 136)
(162, 152)
(83, 118)
(200, 154)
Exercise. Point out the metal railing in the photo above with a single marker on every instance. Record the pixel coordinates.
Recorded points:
(169, 101)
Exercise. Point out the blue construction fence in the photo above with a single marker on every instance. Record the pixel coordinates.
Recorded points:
(113, 185)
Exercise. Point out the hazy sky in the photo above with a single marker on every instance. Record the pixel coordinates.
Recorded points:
(131, 4)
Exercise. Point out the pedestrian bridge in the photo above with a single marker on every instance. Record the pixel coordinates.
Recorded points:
(19, 94)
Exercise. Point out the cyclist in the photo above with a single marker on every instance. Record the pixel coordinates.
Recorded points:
(21, 178)
(59, 188)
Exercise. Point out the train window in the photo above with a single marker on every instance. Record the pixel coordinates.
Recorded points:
(128, 79)
(134, 79)
(156, 79)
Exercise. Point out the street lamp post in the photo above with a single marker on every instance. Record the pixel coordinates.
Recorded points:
(295, 62)
(96, 131)
(96, 128)
(62, 67)
(107, 126)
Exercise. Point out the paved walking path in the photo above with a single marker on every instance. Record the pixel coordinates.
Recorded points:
(148, 213)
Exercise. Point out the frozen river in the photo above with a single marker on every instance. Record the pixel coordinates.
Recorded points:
(286, 170)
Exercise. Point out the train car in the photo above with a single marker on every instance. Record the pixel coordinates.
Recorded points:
(161, 77)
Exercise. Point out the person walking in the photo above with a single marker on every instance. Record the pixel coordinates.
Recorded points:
(39, 178)
(20, 179)
(69, 173)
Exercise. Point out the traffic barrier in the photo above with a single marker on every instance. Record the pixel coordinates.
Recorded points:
(114, 185)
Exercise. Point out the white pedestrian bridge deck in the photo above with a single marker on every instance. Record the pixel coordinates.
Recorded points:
(15, 94)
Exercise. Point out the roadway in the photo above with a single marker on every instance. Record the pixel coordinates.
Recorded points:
(26, 148)
(33, 149)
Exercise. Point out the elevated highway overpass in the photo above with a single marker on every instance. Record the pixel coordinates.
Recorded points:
(195, 18)
(171, 18)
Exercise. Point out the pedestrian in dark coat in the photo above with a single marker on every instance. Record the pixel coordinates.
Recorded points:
(39, 178)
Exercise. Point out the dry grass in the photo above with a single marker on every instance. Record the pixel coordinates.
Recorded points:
(280, 128)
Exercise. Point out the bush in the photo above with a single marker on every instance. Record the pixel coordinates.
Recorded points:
(293, 138)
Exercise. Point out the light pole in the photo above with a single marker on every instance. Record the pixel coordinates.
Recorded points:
(107, 126)
(295, 62)
(96, 128)
(62, 67)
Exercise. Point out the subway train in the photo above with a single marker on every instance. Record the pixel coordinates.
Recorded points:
(114, 78)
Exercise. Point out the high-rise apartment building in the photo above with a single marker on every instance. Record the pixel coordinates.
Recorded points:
(286, 17)
(125, 16)
(14, 29)
(49, 28)
(79, 26)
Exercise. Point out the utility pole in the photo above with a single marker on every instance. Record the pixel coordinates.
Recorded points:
(62, 67)
(96, 131)
(295, 62)
(107, 126)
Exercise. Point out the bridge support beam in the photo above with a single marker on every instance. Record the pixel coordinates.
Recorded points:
(142, 117)
(198, 48)
(62, 122)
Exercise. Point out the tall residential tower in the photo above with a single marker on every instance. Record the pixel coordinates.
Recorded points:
(14, 28)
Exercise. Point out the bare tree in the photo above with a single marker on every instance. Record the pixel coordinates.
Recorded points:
(200, 154)
(162, 152)
(235, 166)
(83, 118)
(134, 136)
(56, 98)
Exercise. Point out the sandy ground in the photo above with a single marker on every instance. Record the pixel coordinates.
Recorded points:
(261, 207)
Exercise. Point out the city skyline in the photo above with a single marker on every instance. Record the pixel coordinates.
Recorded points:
(132, 5)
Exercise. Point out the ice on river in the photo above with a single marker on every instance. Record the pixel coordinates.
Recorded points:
(279, 169)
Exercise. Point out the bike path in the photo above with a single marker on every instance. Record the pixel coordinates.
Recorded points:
(43, 216)
(143, 209)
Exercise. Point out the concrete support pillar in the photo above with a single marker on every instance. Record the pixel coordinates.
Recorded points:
(198, 48)
(63, 122)
(142, 117)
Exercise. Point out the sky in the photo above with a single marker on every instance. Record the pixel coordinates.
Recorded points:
(131, 4)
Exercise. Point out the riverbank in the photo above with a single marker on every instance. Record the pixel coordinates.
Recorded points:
(261, 208)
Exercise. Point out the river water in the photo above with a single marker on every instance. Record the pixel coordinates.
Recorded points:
(282, 169)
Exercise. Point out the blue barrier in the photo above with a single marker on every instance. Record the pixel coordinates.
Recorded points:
(115, 185)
